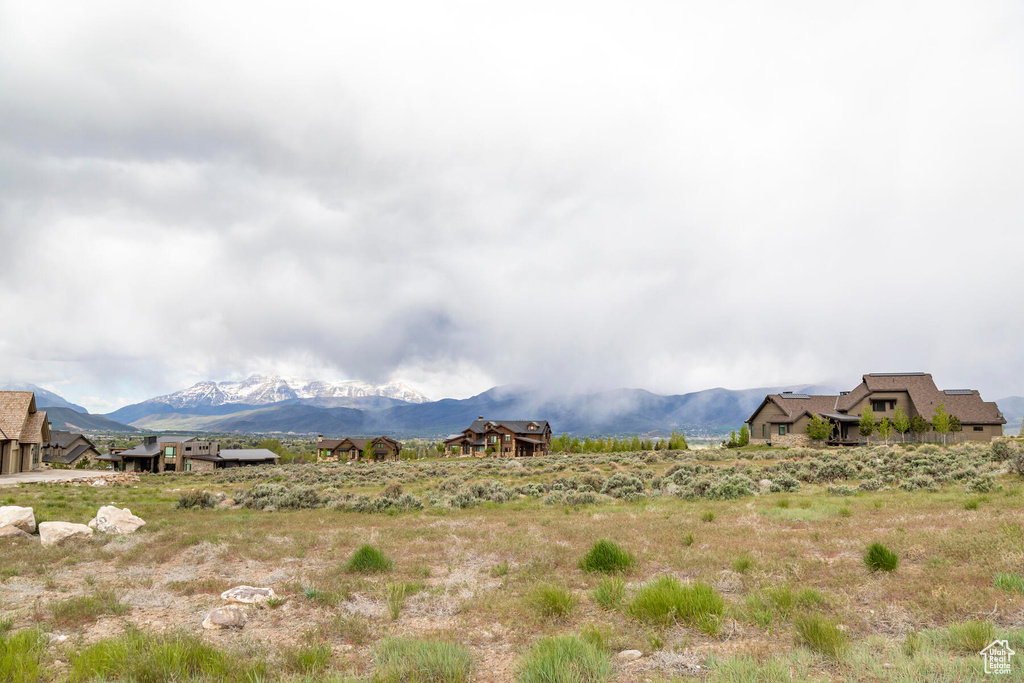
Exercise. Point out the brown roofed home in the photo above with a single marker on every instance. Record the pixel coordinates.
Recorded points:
(23, 432)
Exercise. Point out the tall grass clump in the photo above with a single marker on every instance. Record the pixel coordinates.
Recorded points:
(880, 558)
(307, 659)
(86, 608)
(610, 592)
(415, 660)
(564, 659)
(138, 656)
(969, 637)
(606, 556)
(368, 560)
(550, 600)
(821, 634)
(665, 601)
(1010, 582)
(21, 655)
(395, 594)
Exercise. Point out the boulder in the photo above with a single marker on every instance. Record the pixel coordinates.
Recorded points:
(111, 520)
(248, 595)
(231, 616)
(59, 533)
(629, 655)
(23, 518)
(9, 531)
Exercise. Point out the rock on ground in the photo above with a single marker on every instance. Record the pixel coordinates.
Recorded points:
(248, 595)
(9, 531)
(58, 533)
(231, 616)
(23, 518)
(112, 520)
(629, 655)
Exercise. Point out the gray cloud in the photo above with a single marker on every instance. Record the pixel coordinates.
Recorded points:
(572, 194)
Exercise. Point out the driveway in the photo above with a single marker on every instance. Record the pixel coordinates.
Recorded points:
(51, 475)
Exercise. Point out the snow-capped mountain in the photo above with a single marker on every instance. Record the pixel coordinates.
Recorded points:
(265, 389)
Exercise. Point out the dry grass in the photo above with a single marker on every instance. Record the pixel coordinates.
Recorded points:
(769, 558)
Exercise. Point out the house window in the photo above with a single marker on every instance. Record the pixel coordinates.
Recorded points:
(782, 430)
(508, 437)
(494, 438)
(764, 430)
(878, 406)
(979, 429)
(169, 453)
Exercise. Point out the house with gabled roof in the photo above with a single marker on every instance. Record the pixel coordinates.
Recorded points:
(68, 449)
(508, 438)
(782, 419)
(352, 448)
(23, 431)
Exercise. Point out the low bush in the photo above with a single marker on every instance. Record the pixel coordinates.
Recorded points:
(368, 560)
(625, 486)
(880, 558)
(193, 498)
(564, 659)
(416, 660)
(605, 556)
(821, 634)
(665, 601)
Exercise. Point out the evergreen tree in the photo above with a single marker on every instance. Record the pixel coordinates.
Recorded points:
(867, 423)
(901, 423)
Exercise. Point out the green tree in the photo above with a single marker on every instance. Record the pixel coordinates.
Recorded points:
(867, 423)
(744, 436)
(677, 442)
(954, 424)
(940, 421)
(885, 429)
(819, 429)
(368, 451)
(919, 426)
(901, 423)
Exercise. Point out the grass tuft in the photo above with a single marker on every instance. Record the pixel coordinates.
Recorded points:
(610, 592)
(742, 564)
(83, 609)
(880, 558)
(564, 659)
(307, 659)
(665, 601)
(821, 634)
(414, 660)
(969, 637)
(605, 556)
(550, 600)
(395, 594)
(708, 516)
(368, 560)
(1010, 582)
(21, 656)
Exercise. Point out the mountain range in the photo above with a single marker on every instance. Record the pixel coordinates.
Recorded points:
(268, 404)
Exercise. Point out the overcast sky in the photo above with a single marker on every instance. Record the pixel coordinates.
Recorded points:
(668, 195)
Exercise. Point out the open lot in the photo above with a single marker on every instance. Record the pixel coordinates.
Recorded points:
(486, 554)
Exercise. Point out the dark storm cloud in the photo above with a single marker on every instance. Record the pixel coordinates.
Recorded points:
(571, 195)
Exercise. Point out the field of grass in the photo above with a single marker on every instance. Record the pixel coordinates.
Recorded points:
(716, 568)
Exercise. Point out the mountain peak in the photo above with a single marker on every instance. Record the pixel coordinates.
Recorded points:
(261, 389)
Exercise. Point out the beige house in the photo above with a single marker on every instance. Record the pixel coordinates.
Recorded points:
(782, 419)
(23, 431)
(68, 449)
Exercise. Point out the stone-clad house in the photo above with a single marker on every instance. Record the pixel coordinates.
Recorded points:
(350, 448)
(68, 449)
(185, 454)
(23, 431)
(781, 419)
(507, 438)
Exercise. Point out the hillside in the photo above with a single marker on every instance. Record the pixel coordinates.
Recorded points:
(44, 398)
(74, 421)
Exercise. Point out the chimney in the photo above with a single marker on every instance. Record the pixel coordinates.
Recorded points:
(481, 417)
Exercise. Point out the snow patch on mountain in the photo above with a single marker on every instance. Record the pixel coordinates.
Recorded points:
(267, 389)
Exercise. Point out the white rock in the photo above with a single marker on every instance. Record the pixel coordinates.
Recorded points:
(23, 518)
(629, 655)
(765, 484)
(112, 520)
(231, 616)
(248, 595)
(8, 531)
(58, 533)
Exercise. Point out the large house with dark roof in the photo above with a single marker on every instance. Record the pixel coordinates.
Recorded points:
(350, 448)
(23, 431)
(68, 449)
(508, 438)
(185, 454)
(782, 419)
